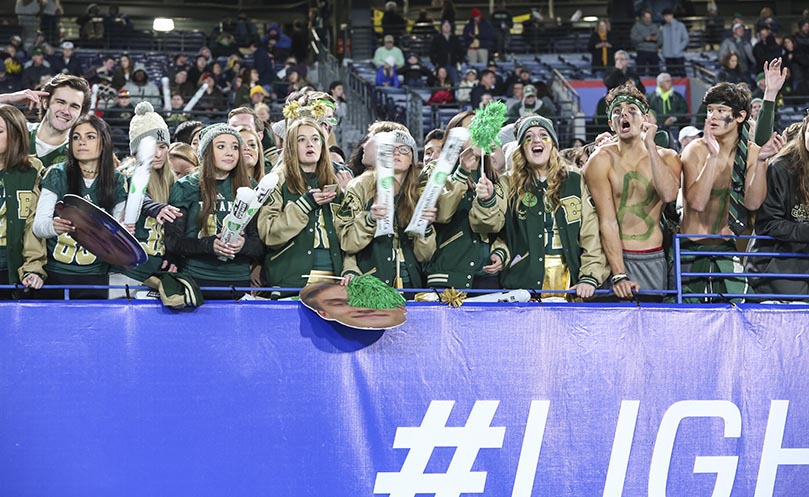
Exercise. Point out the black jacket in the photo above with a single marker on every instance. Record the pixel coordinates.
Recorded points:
(446, 52)
(783, 217)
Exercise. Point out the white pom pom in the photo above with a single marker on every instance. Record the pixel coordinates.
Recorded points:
(143, 107)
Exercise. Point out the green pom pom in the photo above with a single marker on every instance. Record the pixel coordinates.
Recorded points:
(485, 126)
(371, 293)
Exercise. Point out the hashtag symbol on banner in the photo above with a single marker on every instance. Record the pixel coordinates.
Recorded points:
(434, 432)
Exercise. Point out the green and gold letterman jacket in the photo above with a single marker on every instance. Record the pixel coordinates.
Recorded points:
(193, 244)
(462, 250)
(55, 156)
(576, 237)
(369, 255)
(299, 235)
(149, 233)
(65, 256)
(20, 251)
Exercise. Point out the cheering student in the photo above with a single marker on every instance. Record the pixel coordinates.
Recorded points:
(253, 152)
(22, 255)
(63, 99)
(297, 222)
(205, 198)
(550, 227)
(724, 179)
(155, 211)
(395, 259)
(462, 258)
(784, 215)
(89, 172)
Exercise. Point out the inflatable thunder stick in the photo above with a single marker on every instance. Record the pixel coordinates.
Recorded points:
(384, 181)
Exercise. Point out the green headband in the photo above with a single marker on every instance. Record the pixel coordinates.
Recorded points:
(630, 99)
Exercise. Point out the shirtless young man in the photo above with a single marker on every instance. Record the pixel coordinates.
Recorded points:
(630, 180)
(725, 179)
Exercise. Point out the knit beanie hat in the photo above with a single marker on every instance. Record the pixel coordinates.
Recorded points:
(208, 133)
(533, 121)
(147, 122)
(400, 136)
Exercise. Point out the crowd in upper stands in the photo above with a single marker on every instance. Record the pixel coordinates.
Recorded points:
(532, 213)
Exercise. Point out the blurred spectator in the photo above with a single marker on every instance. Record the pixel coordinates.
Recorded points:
(257, 95)
(200, 67)
(245, 30)
(739, 45)
(249, 80)
(440, 78)
(181, 86)
(796, 59)
(761, 85)
(767, 17)
(91, 26)
(116, 23)
(669, 105)
(515, 93)
(386, 74)
(602, 45)
(264, 64)
(300, 41)
(388, 50)
(513, 77)
(8, 84)
(622, 73)
(423, 26)
(502, 22)
(41, 43)
(188, 132)
(802, 36)
(122, 73)
(212, 99)
(687, 135)
(179, 62)
(714, 27)
(647, 40)
(531, 104)
(392, 23)
(49, 22)
(478, 36)
(447, 50)
(755, 108)
(16, 42)
(35, 70)
(263, 113)
(183, 157)
(766, 49)
(487, 83)
(225, 45)
(469, 81)
(675, 42)
(122, 109)
(220, 77)
(499, 84)
(414, 73)
(176, 114)
(295, 78)
(731, 71)
(67, 63)
(337, 92)
(433, 143)
(278, 43)
(448, 12)
(143, 90)
(27, 11)
(442, 87)
(12, 64)
(101, 74)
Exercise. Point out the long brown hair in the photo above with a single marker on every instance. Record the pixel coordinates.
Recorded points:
(522, 176)
(293, 173)
(796, 157)
(207, 184)
(107, 182)
(258, 169)
(17, 145)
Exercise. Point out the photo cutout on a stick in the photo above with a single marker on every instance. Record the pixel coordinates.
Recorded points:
(362, 304)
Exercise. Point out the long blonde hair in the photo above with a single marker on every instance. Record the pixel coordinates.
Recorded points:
(160, 181)
(293, 173)
(522, 177)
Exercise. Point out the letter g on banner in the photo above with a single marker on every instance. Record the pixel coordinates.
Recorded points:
(723, 466)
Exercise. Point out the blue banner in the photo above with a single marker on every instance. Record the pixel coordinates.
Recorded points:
(116, 399)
